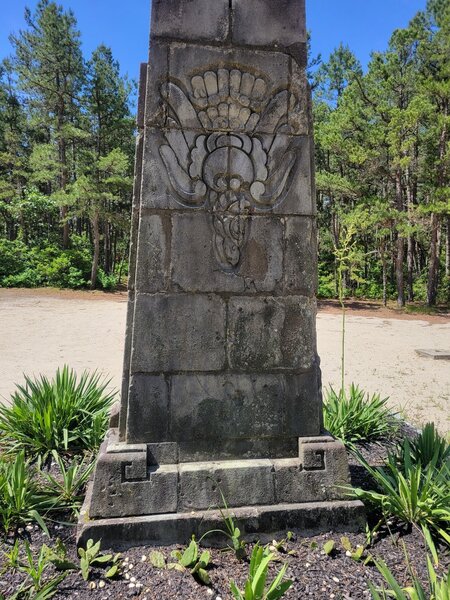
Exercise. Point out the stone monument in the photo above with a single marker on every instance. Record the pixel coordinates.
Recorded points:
(221, 388)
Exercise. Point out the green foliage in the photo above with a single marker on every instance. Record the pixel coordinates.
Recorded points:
(22, 266)
(327, 285)
(231, 531)
(256, 586)
(35, 568)
(11, 558)
(438, 588)
(329, 546)
(92, 557)
(192, 561)
(409, 493)
(357, 553)
(189, 560)
(106, 282)
(21, 498)
(158, 559)
(68, 486)
(13, 256)
(68, 414)
(36, 585)
(429, 449)
(356, 416)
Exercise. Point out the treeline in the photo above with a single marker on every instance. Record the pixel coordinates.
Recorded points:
(383, 165)
(66, 158)
(382, 159)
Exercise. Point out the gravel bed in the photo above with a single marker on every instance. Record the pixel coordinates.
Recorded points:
(315, 574)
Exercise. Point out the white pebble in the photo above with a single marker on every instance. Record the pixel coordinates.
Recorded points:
(139, 584)
(336, 579)
(143, 558)
(127, 576)
(92, 585)
(130, 566)
(29, 527)
(126, 559)
(131, 585)
(307, 565)
(133, 579)
(101, 584)
(348, 553)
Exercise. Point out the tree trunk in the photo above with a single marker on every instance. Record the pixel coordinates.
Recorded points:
(435, 242)
(107, 249)
(411, 192)
(400, 245)
(410, 265)
(447, 249)
(433, 265)
(96, 256)
(63, 180)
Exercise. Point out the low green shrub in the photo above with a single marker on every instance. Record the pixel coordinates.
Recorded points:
(106, 282)
(326, 286)
(67, 414)
(356, 416)
(13, 258)
(23, 266)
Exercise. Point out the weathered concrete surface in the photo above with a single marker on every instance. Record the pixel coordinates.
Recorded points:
(221, 374)
(434, 354)
(132, 479)
(262, 523)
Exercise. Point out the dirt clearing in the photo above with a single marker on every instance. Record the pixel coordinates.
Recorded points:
(43, 329)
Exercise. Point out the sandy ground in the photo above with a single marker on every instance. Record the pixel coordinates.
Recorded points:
(43, 329)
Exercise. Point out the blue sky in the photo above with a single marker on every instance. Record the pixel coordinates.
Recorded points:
(364, 25)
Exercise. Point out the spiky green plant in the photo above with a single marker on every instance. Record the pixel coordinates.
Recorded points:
(438, 587)
(429, 449)
(256, 586)
(356, 416)
(21, 498)
(67, 487)
(66, 414)
(410, 494)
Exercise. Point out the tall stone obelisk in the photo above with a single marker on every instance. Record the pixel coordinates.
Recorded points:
(221, 388)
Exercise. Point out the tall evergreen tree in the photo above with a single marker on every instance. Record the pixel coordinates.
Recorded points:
(50, 69)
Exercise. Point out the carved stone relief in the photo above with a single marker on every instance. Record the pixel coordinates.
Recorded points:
(227, 149)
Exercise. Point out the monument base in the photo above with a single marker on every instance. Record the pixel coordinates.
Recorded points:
(262, 523)
(141, 494)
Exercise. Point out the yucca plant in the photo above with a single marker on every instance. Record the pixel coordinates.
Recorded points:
(356, 416)
(429, 449)
(21, 498)
(67, 487)
(66, 414)
(410, 494)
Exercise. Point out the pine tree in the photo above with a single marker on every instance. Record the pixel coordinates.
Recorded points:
(50, 69)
